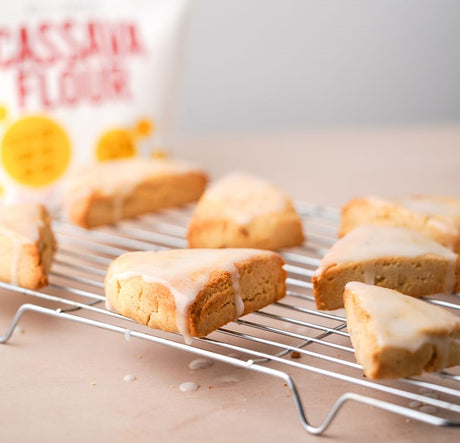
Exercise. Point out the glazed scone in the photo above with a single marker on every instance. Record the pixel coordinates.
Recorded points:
(392, 257)
(399, 336)
(435, 217)
(193, 291)
(241, 211)
(27, 245)
(107, 192)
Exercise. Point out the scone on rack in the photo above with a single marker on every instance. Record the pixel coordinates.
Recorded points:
(27, 245)
(242, 211)
(193, 291)
(391, 257)
(435, 217)
(399, 336)
(107, 192)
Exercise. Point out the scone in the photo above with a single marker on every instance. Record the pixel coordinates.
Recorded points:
(399, 336)
(241, 211)
(107, 192)
(436, 217)
(27, 245)
(193, 291)
(392, 257)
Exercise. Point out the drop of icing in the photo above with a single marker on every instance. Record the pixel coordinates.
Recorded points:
(225, 380)
(415, 404)
(233, 355)
(129, 377)
(428, 409)
(128, 335)
(188, 386)
(200, 363)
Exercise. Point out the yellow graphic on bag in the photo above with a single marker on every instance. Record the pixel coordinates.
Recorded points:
(3, 113)
(121, 143)
(35, 151)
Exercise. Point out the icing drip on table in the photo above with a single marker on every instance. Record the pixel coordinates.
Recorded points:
(185, 273)
(200, 363)
(188, 386)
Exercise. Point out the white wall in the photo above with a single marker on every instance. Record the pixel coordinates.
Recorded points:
(256, 65)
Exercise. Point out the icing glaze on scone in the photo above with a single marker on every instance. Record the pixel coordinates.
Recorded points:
(21, 222)
(242, 197)
(129, 173)
(368, 242)
(118, 179)
(184, 272)
(400, 321)
(443, 206)
(441, 213)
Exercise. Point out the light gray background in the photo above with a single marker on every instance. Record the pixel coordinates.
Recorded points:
(284, 65)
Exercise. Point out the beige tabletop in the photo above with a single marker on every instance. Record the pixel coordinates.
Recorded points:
(64, 381)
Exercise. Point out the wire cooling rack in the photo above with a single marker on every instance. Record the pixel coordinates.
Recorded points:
(276, 340)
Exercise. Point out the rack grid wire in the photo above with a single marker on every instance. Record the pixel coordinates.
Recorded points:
(290, 334)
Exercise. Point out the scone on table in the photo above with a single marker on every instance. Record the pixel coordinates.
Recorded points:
(391, 257)
(242, 211)
(193, 291)
(27, 245)
(395, 335)
(435, 217)
(106, 192)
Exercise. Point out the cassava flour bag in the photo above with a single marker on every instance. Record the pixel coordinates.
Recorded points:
(83, 81)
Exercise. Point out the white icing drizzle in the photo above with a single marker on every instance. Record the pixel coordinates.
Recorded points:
(369, 242)
(21, 225)
(129, 377)
(444, 206)
(428, 409)
(415, 404)
(369, 274)
(119, 177)
(188, 386)
(242, 197)
(405, 322)
(185, 272)
(200, 363)
(443, 213)
(225, 380)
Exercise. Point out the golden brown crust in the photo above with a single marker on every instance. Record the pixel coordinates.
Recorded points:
(443, 229)
(262, 281)
(272, 231)
(32, 262)
(156, 193)
(395, 362)
(416, 277)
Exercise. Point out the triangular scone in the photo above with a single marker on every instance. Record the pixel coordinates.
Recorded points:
(435, 217)
(241, 211)
(399, 336)
(193, 291)
(107, 192)
(396, 258)
(27, 245)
